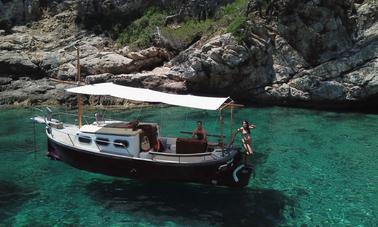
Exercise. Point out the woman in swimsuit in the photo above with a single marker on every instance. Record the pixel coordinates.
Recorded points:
(246, 136)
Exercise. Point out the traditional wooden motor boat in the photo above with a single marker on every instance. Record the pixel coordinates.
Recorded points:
(136, 149)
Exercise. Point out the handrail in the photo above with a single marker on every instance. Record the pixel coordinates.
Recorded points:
(181, 155)
(70, 139)
(67, 134)
(85, 116)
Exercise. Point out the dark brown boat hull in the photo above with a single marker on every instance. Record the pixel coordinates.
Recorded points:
(226, 172)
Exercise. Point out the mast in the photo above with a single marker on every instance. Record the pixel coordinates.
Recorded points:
(78, 96)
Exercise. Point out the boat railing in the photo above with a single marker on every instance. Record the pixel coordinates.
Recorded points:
(62, 116)
(182, 157)
(87, 119)
(64, 133)
(177, 157)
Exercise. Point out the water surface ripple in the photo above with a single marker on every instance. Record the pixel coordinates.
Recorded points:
(312, 168)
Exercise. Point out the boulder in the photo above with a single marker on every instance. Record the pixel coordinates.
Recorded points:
(5, 80)
(17, 65)
(100, 78)
(329, 90)
(105, 62)
(372, 86)
(67, 71)
(223, 65)
(25, 91)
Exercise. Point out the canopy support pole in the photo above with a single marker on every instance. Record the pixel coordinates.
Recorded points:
(231, 121)
(221, 120)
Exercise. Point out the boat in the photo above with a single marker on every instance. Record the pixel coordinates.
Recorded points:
(134, 149)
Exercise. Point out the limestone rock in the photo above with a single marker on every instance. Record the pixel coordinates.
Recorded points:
(286, 61)
(5, 80)
(18, 64)
(372, 86)
(67, 72)
(222, 65)
(105, 62)
(329, 90)
(100, 78)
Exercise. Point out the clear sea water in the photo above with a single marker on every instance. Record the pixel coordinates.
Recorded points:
(312, 168)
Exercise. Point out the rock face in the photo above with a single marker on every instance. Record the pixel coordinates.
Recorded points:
(46, 49)
(319, 30)
(292, 52)
(26, 91)
(19, 12)
(17, 64)
(161, 78)
(105, 15)
(225, 67)
(313, 52)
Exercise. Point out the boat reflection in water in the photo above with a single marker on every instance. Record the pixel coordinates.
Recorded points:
(136, 149)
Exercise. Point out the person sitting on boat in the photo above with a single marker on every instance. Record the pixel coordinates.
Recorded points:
(199, 133)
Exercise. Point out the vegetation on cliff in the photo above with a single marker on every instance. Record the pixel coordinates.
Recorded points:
(281, 51)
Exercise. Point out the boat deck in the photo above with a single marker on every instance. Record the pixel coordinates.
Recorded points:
(69, 135)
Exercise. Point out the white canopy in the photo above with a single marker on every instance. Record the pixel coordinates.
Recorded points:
(146, 95)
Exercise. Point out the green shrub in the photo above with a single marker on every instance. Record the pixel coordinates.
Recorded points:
(188, 31)
(138, 33)
(229, 18)
(230, 10)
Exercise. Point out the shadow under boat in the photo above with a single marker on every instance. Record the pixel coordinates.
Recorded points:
(211, 205)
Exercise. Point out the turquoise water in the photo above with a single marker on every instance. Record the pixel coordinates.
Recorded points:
(312, 168)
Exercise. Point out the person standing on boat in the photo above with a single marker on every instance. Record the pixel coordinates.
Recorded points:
(199, 133)
(245, 130)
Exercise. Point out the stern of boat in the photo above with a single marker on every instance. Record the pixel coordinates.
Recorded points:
(234, 173)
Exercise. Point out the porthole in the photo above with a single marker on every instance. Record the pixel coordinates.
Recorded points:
(102, 141)
(121, 143)
(85, 139)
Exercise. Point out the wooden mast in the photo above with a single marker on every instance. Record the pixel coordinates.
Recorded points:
(79, 101)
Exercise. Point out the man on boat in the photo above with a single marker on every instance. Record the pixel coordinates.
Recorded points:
(199, 133)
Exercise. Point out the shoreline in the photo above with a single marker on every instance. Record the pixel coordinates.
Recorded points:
(360, 107)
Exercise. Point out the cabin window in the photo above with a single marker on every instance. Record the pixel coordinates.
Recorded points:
(102, 141)
(85, 139)
(121, 143)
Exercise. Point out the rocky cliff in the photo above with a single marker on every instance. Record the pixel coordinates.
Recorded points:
(286, 52)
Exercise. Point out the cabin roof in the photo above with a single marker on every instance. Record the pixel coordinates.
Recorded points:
(109, 131)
